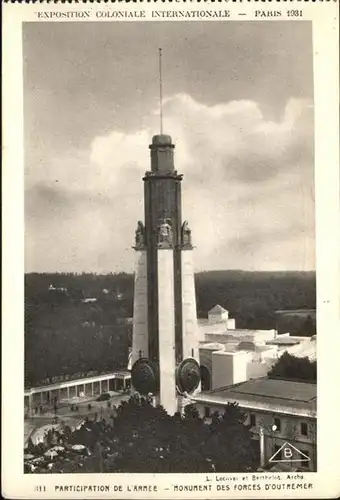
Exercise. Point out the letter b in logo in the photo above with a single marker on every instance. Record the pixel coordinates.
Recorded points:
(288, 453)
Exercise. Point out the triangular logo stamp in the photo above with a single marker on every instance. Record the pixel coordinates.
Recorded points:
(289, 453)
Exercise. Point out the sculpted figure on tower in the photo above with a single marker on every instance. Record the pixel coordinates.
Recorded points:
(186, 235)
(165, 234)
(140, 235)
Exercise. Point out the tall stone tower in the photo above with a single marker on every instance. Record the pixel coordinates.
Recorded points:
(165, 348)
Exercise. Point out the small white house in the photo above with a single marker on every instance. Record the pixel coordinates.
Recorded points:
(218, 315)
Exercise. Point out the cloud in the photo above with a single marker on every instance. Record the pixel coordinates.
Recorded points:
(247, 190)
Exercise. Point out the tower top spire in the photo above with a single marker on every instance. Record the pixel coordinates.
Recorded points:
(160, 140)
(160, 91)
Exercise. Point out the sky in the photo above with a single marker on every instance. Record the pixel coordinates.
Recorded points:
(238, 103)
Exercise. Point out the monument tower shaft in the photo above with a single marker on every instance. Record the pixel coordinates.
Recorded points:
(162, 204)
(165, 350)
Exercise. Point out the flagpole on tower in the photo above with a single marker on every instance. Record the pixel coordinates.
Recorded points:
(160, 92)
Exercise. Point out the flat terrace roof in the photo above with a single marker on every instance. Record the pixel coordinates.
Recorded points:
(241, 331)
(280, 396)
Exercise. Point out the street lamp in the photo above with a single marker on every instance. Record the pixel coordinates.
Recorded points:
(270, 430)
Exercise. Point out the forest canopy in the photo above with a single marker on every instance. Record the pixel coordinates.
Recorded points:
(78, 324)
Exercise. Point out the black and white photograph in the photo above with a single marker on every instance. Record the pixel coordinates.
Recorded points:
(170, 303)
(170, 249)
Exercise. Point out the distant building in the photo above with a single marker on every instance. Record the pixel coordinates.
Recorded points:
(301, 347)
(218, 321)
(220, 315)
(232, 355)
(280, 413)
(58, 289)
(76, 389)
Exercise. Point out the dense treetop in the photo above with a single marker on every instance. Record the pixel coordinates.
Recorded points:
(141, 438)
(290, 367)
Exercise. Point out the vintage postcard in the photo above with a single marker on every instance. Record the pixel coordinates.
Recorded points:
(171, 277)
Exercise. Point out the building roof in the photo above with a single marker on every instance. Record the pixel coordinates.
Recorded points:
(212, 346)
(304, 349)
(217, 309)
(246, 345)
(246, 331)
(284, 340)
(119, 374)
(281, 396)
(224, 335)
(236, 347)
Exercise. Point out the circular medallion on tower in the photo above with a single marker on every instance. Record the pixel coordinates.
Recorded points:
(145, 376)
(188, 376)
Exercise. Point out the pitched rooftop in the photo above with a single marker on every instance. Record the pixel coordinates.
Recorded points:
(217, 309)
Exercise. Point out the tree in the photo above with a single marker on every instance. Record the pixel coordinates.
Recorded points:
(191, 413)
(308, 327)
(289, 367)
(30, 446)
(145, 439)
(151, 440)
(237, 453)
